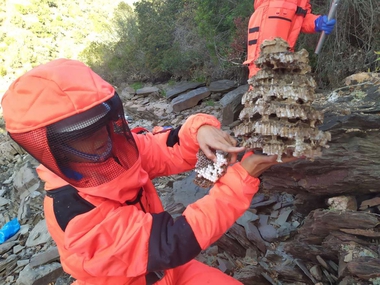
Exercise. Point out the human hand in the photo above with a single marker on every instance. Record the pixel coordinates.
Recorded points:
(322, 23)
(211, 138)
(256, 164)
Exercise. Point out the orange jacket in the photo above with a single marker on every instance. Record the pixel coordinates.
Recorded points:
(118, 232)
(277, 18)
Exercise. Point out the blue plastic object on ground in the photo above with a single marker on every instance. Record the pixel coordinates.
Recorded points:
(9, 229)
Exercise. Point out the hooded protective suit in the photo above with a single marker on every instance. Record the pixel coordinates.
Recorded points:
(277, 18)
(101, 207)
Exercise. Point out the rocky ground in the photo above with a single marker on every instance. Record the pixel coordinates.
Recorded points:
(255, 250)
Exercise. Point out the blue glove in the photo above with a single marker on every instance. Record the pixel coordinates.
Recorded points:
(323, 24)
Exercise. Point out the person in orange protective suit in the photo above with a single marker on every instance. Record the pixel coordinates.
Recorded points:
(284, 19)
(101, 207)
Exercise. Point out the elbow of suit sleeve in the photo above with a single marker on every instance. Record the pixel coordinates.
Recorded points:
(188, 132)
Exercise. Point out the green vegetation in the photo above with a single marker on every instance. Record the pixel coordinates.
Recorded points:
(162, 40)
(137, 85)
(210, 103)
(37, 31)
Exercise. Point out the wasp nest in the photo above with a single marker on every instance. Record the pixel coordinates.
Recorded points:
(208, 172)
(277, 116)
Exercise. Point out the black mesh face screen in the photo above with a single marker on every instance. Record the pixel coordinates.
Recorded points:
(87, 149)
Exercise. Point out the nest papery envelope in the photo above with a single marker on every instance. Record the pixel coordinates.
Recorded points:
(277, 117)
(208, 172)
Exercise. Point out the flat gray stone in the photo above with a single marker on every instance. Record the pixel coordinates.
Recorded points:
(181, 88)
(147, 90)
(190, 99)
(283, 216)
(231, 104)
(246, 218)
(223, 85)
(4, 247)
(47, 256)
(38, 235)
(127, 94)
(42, 275)
(26, 179)
(268, 233)
(254, 236)
(186, 192)
(4, 201)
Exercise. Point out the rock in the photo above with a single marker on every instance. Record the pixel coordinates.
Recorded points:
(186, 192)
(127, 94)
(8, 149)
(316, 272)
(189, 99)
(3, 201)
(181, 88)
(8, 262)
(254, 236)
(343, 203)
(361, 77)
(38, 235)
(283, 216)
(369, 203)
(231, 105)
(42, 258)
(64, 279)
(268, 233)
(225, 266)
(247, 217)
(4, 247)
(42, 275)
(147, 91)
(223, 85)
(250, 275)
(26, 179)
(365, 267)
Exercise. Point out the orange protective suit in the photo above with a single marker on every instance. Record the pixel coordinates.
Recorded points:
(277, 18)
(117, 232)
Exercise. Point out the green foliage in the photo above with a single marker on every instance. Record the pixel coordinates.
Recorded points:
(3, 71)
(137, 85)
(171, 82)
(352, 45)
(199, 40)
(210, 103)
(22, 9)
(156, 29)
(216, 20)
(38, 31)
(378, 55)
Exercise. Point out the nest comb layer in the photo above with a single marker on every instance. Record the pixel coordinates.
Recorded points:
(277, 116)
(208, 172)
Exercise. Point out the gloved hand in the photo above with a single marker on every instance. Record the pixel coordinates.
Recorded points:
(323, 24)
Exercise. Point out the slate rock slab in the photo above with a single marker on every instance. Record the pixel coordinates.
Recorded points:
(223, 85)
(190, 99)
(181, 88)
(231, 104)
(147, 90)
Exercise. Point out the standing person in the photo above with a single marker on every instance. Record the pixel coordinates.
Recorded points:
(101, 207)
(284, 19)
